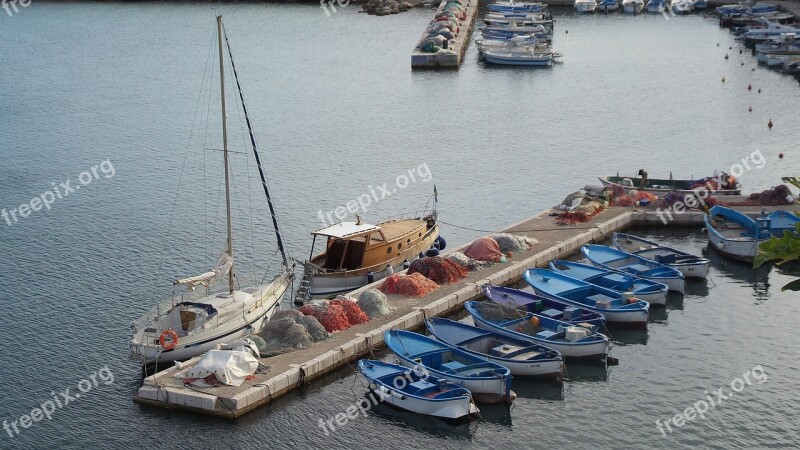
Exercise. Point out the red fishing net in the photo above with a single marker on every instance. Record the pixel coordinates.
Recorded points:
(439, 270)
(355, 315)
(332, 316)
(484, 249)
(630, 198)
(413, 285)
(571, 218)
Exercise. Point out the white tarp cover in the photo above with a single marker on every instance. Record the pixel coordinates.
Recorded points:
(230, 367)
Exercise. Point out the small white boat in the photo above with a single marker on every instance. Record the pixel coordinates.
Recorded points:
(522, 356)
(734, 234)
(417, 391)
(638, 266)
(632, 6)
(657, 6)
(585, 6)
(682, 6)
(518, 57)
(607, 5)
(689, 265)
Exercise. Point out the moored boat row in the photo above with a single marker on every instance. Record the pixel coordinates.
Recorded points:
(517, 34)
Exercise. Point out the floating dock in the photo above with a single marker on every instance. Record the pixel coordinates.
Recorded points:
(294, 369)
(421, 60)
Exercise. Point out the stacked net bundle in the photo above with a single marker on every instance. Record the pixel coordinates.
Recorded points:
(315, 329)
(374, 303)
(355, 315)
(413, 285)
(497, 312)
(632, 197)
(467, 262)
(439, 270)
(484, 249)
(284, 335)
(332, 317)
(513, 243)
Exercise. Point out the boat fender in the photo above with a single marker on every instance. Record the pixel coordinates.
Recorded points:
(406, 264)
(389, 270)
(370, 277)
(535, 321)
(442, 243)
(173, 336)
(433, 251)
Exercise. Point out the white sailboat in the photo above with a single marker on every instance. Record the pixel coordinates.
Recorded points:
(191, 325)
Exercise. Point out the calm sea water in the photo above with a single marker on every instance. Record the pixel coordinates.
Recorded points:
(337, 112)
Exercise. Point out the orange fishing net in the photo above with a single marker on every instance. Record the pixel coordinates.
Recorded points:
(571, 218)
(413, 285)
(439, 270)
(355, 315)
(333, 317)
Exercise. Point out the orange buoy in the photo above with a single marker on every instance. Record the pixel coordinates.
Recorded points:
(535, 321)
(769, 124)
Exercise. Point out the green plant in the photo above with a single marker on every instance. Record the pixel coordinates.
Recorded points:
(783, 250)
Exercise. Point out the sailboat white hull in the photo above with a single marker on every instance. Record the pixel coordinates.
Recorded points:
(146, 347)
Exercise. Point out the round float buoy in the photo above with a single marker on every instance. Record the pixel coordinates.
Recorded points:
(717, 44)
(726, 56)
(723, 79)
(567, 31)
(442, 243)
(750, 109)
(740, 51)
(769, 124)
(780, 155)
(749, 87)
(168, 339)
(759, 90)
(535, 321)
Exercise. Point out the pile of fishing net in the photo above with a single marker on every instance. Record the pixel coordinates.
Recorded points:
(574, 217)
(373, 302)
(355, 315)
(467, 262)
(484, 249)
(513, 243)
(628, 199)
(498, 312)
(571, 201)
(290, 330)
(439, 270)
(333, 315)
(413, 285)
(778, 195)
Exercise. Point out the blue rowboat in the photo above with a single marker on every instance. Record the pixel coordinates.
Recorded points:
(522, 356)
(734, 234)
(650, 291)
(486, 380)
(570, 340)
(782, 221)
(416, 391)
(544, 306)
(689, 265)
(638, 266)
(616, 308)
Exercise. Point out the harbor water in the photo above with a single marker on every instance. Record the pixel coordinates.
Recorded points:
(112, 89)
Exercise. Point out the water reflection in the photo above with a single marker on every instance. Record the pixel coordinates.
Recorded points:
(585, 371)
(741, 273)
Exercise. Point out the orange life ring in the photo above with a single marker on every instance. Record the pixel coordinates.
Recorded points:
(172, 343)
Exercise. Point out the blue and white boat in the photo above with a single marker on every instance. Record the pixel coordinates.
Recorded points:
(650, 291)
(617, 308)
(638, 266)
(522, 356)
(682, 6)
(689, 265)
(734, 234)
(782, 221)
(486, 380)
(511, 6)
(570, 340)
(700, 4)
(744, 7)
(417, 391)
(607, 5)
(543, 306)
(657, 6)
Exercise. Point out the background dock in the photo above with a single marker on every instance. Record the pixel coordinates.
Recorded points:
(421, 60)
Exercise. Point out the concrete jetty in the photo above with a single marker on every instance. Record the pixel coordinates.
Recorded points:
(294, 369)
(421, 60)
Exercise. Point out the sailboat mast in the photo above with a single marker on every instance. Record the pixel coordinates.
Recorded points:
(225, 151)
